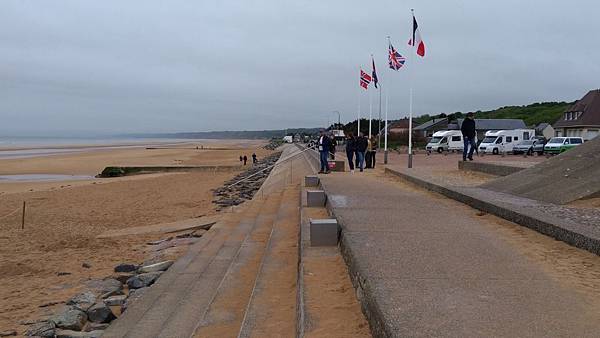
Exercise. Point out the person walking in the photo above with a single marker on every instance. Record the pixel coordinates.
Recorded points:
(254, 160)
(361, 148)
(324, 145)
(245, 159)
(373, 150)
(333, 145)
(468, 132)
(350, 150)
(241, 159)
(368, 154)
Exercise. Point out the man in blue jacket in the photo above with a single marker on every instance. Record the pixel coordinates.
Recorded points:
(324, 144)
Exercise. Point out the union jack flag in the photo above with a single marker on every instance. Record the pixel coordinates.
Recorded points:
(365, 79)
(396, 60)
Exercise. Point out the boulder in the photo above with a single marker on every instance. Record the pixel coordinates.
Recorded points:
(161, 266)
(41, 329)
(125, 267)
(115, 300)
(107, 286)
(123, 277)
(82, 300)
(71, 318)
(100, 313)
(78, 334)
(96, 326)
(143, 280)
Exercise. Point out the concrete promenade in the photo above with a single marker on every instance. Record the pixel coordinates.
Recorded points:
(424, 267)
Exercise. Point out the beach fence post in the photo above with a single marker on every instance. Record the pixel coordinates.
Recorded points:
(23, 217)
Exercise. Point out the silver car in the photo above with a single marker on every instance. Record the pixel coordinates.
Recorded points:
(529, 147)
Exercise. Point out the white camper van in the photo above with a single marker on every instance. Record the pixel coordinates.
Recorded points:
(503, 141)
(446, 140)
(288, 139)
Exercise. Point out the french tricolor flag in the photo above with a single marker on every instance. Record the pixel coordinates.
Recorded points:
(416, 39)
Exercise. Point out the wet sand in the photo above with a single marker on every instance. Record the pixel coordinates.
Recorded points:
(64, 218)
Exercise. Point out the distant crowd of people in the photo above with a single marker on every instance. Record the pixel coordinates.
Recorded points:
(360, 151)
(244, 159)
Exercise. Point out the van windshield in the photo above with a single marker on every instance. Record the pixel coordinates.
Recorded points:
(557, 140)
(435, 139)
(489, 139)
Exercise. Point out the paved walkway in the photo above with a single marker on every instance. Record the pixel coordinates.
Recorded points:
(424, 269)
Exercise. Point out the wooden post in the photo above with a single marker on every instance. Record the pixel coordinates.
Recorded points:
(23, 217)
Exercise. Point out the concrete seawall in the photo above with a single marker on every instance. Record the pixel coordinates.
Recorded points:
(489, 168)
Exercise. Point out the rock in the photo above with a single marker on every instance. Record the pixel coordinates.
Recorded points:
(107, 285)
(70, 318)
(100, 313)
(96, 326)
(86, 265)
(63, 273)
(83, 300)
(78, 334)
(51, 303)
(41, 329)
(143, 280)
(8, 333)
(162, 266)
(115, 300)
(125, 267)
(123, 277)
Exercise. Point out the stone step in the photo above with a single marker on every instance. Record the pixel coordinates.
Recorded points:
(190, 278)
(226, 311)
(271, 311)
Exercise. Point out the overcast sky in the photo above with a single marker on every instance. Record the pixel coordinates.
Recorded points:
(163, 66)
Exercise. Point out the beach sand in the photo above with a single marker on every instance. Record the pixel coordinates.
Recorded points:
(63, 219)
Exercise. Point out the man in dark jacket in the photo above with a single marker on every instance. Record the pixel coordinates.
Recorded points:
(324, 144)
(468, 132)
(361, 148)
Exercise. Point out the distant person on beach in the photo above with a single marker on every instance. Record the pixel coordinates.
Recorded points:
(361, 148)
(324, 145)
(468, 132)
(241, 159)
(254, 160)
(350, 150)
(245, 159)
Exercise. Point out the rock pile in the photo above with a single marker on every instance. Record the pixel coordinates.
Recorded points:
(229, 195)
(273, 144)
(89, 313)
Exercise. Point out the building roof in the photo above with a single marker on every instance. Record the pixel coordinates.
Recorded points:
(400, 124)
(496, 124)
(542, 126)
(589, 106)
(431, 123)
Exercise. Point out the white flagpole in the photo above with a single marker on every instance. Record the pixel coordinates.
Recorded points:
(358, 120)
(370, 112)
(410, 114)
(385, 144)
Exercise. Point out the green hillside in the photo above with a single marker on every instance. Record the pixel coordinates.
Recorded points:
(532, 114)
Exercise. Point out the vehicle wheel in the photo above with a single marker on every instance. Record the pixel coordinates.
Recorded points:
(495, 151)
(440, 150)
(530, 152)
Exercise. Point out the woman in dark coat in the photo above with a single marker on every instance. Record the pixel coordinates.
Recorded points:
(350, 150)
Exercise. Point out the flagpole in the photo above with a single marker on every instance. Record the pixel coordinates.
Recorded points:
(379, 120)
(370, 112)
(410, 113)
(387, 95)
(358, 120)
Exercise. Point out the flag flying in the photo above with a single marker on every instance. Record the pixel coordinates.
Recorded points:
(396, 60)
(365, 79)
(374, 73)
(416, 39)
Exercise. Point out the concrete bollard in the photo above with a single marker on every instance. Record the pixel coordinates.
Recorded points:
(311, 181)
(324, 232)
(315, 198)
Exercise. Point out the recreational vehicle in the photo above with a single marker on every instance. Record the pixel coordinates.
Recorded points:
(446, 140)
(503, 141)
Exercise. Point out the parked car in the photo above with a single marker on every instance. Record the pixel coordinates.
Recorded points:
(529, 147)
(558, 145)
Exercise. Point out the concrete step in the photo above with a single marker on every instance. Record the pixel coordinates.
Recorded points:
(226, 311)
(173, 306)
(271, 311)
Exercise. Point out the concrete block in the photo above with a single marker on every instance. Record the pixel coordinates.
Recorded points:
(336, 165)
(315, 198)
(323, 232)
(311, 181)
